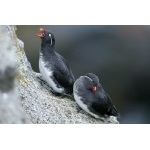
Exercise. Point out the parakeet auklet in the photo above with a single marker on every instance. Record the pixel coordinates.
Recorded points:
(91, 97)
(53, 67)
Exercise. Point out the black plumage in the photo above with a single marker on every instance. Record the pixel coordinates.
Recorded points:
(91, 97)
(53, 67)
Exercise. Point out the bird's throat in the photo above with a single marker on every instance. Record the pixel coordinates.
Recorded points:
(46, 49)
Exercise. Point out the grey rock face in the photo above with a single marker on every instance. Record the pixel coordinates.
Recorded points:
(10, 108)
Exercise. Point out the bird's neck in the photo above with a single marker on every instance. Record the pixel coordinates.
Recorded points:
(46, 48)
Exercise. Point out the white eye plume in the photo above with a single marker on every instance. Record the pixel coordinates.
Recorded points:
(51, 38)
(88, 78)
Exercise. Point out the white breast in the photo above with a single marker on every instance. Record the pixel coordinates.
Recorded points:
(47, 74)
(80, 103)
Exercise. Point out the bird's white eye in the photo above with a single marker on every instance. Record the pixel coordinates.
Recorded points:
(50, 35)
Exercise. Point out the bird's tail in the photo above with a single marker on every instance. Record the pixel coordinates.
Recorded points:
(113, 111)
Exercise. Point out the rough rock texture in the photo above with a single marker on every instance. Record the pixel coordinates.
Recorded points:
(36, 98)
(10, 108)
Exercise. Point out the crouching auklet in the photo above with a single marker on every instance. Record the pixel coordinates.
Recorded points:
(53, 67)
(91, 97)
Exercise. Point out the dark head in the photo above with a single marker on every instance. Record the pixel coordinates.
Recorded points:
(91, 81)
(47, 37)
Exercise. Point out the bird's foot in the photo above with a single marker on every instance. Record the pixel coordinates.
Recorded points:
(55, 93)
(41, 80)
(79, 110)
(69, 96)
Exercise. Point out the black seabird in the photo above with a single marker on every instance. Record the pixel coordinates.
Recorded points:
(91, 97)
(53, 67)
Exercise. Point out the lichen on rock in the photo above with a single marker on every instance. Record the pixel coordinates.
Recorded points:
(10, 109)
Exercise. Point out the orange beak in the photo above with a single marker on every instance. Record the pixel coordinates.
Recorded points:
(94, 88)
(42, 33)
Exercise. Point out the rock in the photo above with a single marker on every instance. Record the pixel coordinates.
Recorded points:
(10, 109)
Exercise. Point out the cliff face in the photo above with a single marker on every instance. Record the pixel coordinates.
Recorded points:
(10, 109)
(39, 104)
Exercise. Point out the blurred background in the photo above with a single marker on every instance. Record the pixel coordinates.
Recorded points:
(118, 55)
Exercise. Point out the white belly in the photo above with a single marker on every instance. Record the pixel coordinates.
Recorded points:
(81, 104)
(47, 74)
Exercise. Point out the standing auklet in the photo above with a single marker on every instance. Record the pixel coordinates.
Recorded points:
(53, 67)
(91, 97)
